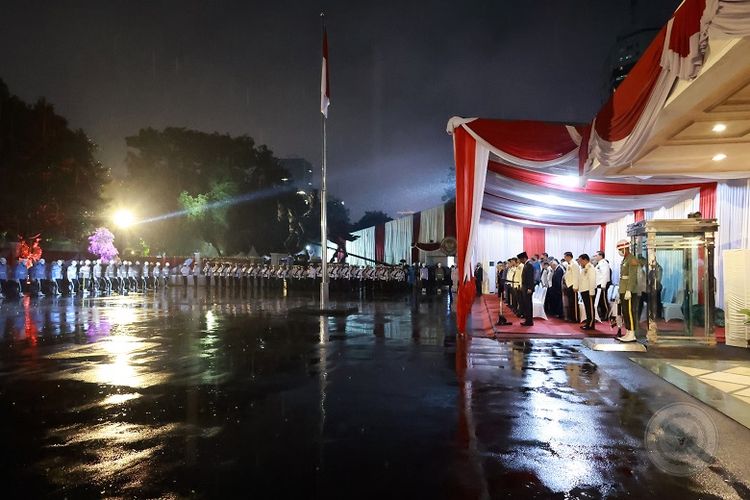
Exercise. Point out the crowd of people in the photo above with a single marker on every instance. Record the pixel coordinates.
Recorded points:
(570, 281)
(95, 277)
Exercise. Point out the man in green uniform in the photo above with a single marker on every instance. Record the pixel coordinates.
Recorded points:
(628, 291)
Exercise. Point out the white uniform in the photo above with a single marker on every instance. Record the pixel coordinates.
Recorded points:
(602, 273)
(573, 275)
(587, 282)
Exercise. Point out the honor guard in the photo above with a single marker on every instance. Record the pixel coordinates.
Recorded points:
(165, 275)
(629, 270)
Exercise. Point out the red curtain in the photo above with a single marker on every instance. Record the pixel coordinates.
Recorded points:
(603, 237)
(529, 140)
(617, 118)
(639, 215)
(464, 150)
(380, 242)
(533, 240)
(707, 203)
(687, 22)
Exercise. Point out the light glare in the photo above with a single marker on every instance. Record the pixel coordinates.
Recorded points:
(719, 127)
(719, 157)
(123, 218)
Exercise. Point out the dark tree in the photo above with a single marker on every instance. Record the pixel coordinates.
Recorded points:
(201, 187)
(51, 182)
(371, 218)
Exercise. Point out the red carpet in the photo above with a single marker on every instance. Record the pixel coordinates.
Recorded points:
(486, 309)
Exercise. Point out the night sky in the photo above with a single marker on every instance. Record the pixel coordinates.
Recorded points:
(399, 71)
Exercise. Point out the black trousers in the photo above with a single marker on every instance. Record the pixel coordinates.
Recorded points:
(588, 305)
(603, 306)
(573, 311)
(527, 306)
(629, 310)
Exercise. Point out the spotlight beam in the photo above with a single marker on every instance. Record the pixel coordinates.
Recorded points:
(235, 200)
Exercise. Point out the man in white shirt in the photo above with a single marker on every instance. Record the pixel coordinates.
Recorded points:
(571, 280)
(603, 282)
(587, 288)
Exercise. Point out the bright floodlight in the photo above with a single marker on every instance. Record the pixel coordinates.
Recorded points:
(719, 127)
(123, 218)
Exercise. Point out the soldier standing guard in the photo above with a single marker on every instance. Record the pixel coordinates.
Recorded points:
(144, 276)
(71, 273)
(56, 277)
(132, 275)
(628, 287)
(38, 276)
(165, 274)
(20, 275)
(96, 274)
(109, 276)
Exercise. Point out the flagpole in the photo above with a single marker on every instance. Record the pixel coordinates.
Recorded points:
(323, 205)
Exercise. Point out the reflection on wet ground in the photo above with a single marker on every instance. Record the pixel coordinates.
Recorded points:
(193, 395)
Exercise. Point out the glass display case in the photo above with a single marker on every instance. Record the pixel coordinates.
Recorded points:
(678, 292)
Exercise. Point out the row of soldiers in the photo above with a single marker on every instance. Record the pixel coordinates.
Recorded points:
(93, 277)
(341, 276)
(85, 277)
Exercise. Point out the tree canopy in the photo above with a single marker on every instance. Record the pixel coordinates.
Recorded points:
(52, 183)
(194, 187)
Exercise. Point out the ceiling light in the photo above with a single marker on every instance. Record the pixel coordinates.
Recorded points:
(719, 157)
(719, 127)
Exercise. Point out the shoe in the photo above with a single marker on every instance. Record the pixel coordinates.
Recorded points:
(628, 337)
(525, 323)
(586, 327)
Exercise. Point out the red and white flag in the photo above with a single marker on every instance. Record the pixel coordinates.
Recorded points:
(325, 91)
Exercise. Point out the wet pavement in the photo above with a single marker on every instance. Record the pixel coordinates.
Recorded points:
(187, 395)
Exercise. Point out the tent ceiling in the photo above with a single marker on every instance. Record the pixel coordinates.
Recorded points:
(684, 142)
(528, 203)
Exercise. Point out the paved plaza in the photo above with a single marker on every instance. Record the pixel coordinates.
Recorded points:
(184, 394)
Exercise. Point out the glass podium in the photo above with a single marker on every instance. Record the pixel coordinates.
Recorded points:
(677, 258)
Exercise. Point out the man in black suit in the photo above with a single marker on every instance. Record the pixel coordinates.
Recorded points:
(553, 299)
(527, 289)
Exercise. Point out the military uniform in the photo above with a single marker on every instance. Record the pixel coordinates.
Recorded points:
(629, 270)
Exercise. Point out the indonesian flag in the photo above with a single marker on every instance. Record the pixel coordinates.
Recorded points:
(325, 91)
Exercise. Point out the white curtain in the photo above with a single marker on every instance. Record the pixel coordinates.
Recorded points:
(398, 238)
(432, 225)
(616, 231)
(678, 210)
(733, 214)
(331, 250)
(363, 246)
(558, 240)
(431, 229)
(496, 241)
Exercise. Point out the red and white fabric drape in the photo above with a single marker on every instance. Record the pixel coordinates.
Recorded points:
(471, 172)
(527, 144)
(624, 125)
